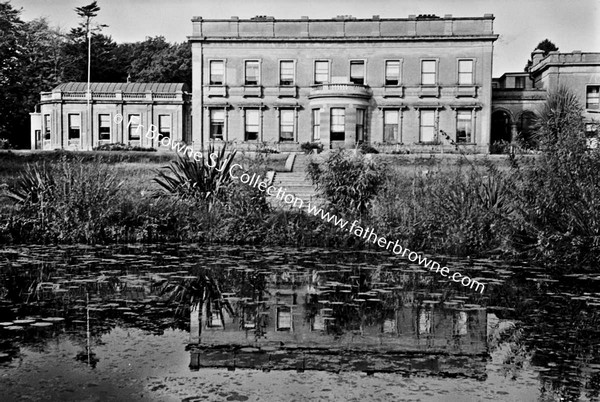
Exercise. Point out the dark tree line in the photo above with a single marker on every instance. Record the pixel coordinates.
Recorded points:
(35, 57)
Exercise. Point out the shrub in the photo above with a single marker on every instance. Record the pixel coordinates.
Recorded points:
(308, 147)
(4, 144)
(123, 147)
(63, 202)
(348, 182)
(367, 149)
(201, 180)
(558, 198)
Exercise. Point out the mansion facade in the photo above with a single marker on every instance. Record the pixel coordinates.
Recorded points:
(387, 82)
(418, 84)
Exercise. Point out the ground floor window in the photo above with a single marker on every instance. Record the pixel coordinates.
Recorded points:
(164, 126)
(252, 125)
(74, 126)
(360, 125)
(286, 125)
(390, 125)
(134, 127)
(592, 99)
(464, 126)
(46, 126)
(104, 127)
(338, 124)
(427, 126)
(316, 124)
(217, 124)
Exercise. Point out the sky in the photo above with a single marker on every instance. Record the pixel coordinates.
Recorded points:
(521, 24)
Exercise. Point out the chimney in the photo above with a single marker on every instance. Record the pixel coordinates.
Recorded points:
(537, 56)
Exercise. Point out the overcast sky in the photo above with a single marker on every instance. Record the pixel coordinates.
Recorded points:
(521, 24)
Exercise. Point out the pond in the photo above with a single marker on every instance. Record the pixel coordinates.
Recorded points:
(181, 322)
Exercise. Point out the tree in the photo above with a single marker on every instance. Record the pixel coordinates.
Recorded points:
(156, 60)
(11, 61)
(546, 46)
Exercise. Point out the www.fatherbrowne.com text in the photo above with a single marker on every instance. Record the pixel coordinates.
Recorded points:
(367, 234)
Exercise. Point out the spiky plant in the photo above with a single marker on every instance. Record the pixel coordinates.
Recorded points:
(205, 180)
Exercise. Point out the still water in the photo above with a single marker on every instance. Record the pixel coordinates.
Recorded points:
(173, 322)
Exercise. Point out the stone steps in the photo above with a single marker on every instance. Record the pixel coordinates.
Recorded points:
(295, 182)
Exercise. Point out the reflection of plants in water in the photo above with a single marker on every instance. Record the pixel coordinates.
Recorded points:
(200, 290)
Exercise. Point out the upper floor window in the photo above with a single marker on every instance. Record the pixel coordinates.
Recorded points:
(252, 72)
(592, 98)
(217, 72)
(428, 72)
(465, 72)
(392, 72)
(519, 82)
(357, 72)
(104, 127)
(286, 72)
(321, 71)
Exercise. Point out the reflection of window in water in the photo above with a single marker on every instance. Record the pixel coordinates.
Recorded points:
(460, 323)
(389, 326)
(215, 320)
(284, 318)
(318, 323)
(250, 317)
(425, 318)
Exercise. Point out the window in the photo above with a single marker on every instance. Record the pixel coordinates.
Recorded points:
(284, 318)
(104, 127)
(465, 72)
(392, 72)
(519, 82)
(286, 125)
(74, 126)
(252, 124)
(46, 126)
(321, 72)
(360, 125)
(464, 126)
(217, 124)
(252, 72)
(428, 72)
(164, 126)
(357, 72)
(427, 126)
(134, 127)
(217, 72)
(390, 125)
(592, 99)
(286, 72)
(338, 124)
(316, 124)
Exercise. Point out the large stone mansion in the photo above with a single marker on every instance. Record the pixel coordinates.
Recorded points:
(394, 83)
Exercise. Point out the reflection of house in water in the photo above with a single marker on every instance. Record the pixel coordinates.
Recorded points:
(303, 315)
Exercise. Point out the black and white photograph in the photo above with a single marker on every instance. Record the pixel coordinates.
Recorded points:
(262, 200)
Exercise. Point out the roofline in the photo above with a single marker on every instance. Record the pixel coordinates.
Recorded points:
(409, 18)
(428, 38)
